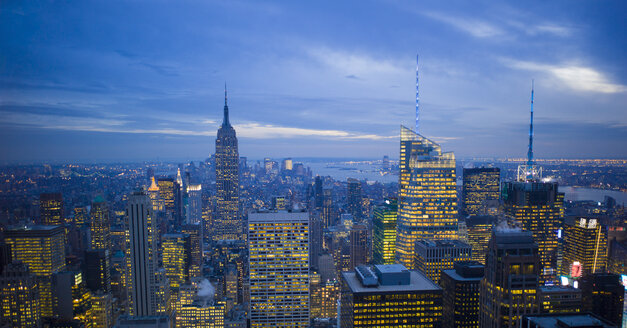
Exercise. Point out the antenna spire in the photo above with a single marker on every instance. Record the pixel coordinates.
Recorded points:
(225, 122)
(530, 151)
(417, 97)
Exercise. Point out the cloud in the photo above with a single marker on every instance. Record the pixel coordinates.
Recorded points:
(265, 131)
(354, 65)
(474, 27)
(574, 76)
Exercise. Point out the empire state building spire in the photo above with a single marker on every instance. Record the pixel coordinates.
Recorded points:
(225, 121)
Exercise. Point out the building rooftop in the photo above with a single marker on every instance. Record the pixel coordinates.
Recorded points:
(417, 282)
(577, 320)
(450, 243)
(275, 216)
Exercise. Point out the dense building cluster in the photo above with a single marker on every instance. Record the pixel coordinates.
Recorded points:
(229, 242)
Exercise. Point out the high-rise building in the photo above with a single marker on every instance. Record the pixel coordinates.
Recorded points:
(100, 225)
(315, 295)
(480, 185)
(196, 246)
(384, 232)
(358, 235)
(176, 252)
(559, 299)
(142, 256)
(80, 215)
(170, 192)
(279, 203)
(288, 164)
(584, 247)
(537, 206)
(318, 196)
(460, 287)
(603, 294)
(315, 239)
(279, 269)
(228, 223)
(478, 234)
(97, 269)
(202, 315)
(427, 205)
(51, 209)
(72, 300)
(19, 297)
(353, 197)
(433, 256)
(329, 293)
(193, 208)
(509, 287)
(327, 212)
(42, 249)
(389, 296)
(101, 312)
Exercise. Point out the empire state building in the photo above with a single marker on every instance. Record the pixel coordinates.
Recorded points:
(227, 224)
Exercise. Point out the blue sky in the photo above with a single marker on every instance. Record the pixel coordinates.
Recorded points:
(143, 80)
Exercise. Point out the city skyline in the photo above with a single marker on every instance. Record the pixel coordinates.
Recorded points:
(135, 84)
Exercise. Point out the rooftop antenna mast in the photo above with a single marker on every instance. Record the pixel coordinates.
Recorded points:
(530, 151)
(417, 97)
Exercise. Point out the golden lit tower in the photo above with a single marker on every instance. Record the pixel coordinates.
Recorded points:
(100, 225)
(42, 248)
(427, 206)
(279, 269)
(481, 185)
(176, 250)
(51, 209)
(228, 223)
(585, 247)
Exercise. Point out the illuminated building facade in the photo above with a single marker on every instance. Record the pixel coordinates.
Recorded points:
(559, 299)
(42, 249)
(480, 186)
(196, 248)
(603, 294)
(193, 207)
(170, 192)
(228, 223)
(80, 216)
(101, 312)
(384, 232)
(279, 269)
(176, 252)
(353, 197)
(461, 294)
(19, 297)
(141, 256)
(433, 256)
(330, 292)
(100, 225)
(389, 296)
(315, 295)
(478, 234)
(509, 287)
(427, 205)
(201, 315)
(327, 213)
(585, 247)
(72, 299)
(537, 207)
(51, 209)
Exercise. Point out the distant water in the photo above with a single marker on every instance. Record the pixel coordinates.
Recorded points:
(597, 195)
(345, 170)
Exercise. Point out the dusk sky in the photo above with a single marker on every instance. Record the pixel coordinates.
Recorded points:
(144, 80)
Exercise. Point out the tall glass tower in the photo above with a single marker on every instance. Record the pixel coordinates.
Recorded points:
(228, 224)
(427, 206)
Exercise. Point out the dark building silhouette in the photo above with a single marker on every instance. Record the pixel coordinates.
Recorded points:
(51, 209)
(603, 295)
(461, 294)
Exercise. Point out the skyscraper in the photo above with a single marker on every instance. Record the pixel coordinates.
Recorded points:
(170, 192)
(389, 296)
(19, 297)
(42, 248)
(384, 232)
(196, 246)
(478, 234)
(585, 247)
(193, 208)
(51, 209)
(228, 223)
(603, 294)
(427, 206)
(353, 197)
(358, 235)
(142, 255)
(97, 269)
(509, 287)
(433, 256)
(279, 269)
(460, 286)
(327, 213)
(100, 225)
(176, 250)
(480, 185)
